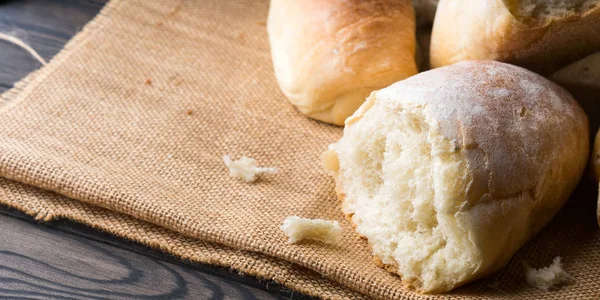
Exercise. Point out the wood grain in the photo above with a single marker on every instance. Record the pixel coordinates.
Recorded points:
(45, 25)
(43, 261)
(64, 260)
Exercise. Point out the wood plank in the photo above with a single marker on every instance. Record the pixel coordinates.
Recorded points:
(45, 25)
(65, 260)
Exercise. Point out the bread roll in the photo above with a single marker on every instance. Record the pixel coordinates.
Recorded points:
(582, 73)
(329, 55)
(582, 80)
(541, 35)
(449, 172)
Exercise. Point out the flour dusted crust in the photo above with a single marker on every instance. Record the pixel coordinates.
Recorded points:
(541, 35)
(451, 171)
(329, 55)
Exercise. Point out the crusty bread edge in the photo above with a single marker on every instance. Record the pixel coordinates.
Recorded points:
(521, 43)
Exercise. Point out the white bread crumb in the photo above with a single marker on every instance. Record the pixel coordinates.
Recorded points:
(246, 168)
(546, 278)
(298, 229)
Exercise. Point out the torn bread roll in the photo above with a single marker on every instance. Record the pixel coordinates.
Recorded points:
(449, 172)
(540, 35)
(330, 55)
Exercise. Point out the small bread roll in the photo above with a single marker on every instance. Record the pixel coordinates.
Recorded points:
(330, 55)
(449, 172)
(540, 35)
(582, 73)
(582, 79)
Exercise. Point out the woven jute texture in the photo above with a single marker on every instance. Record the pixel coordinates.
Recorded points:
(125, 129)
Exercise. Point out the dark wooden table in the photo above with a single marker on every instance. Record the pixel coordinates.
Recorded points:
(64, 260)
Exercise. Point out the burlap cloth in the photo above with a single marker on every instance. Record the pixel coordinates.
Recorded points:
(125, 129)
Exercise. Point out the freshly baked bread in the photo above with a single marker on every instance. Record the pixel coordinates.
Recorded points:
(541, 35)
(449, 172)
(329, 55)
(582, 79)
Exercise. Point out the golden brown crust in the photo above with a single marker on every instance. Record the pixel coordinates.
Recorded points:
(329, 55)
(407, 284)
(487, 30)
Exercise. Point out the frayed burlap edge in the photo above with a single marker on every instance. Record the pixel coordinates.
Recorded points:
(47, 206)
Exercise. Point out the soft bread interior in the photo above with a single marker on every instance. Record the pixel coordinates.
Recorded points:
(404, 184)
(545, 10)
